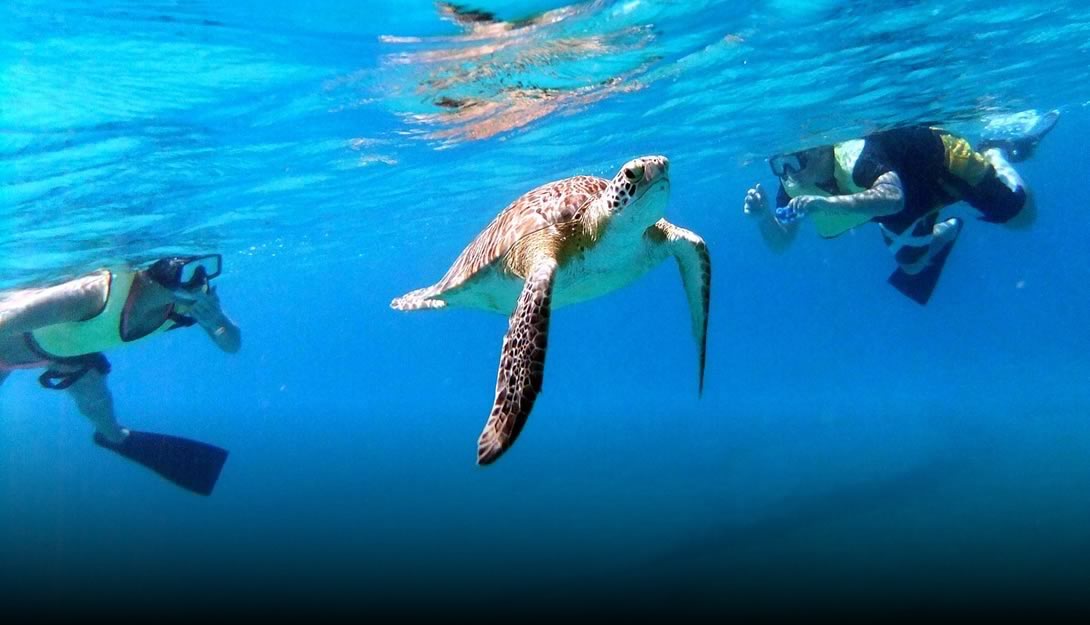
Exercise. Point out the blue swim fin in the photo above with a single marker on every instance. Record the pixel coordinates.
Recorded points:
(1018, 135)
(193, 465)
(920, 286)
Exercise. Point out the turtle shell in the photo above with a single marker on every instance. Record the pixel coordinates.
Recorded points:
(553, 203)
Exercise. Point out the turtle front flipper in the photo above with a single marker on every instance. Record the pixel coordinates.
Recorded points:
(691, 254)
(522, 363)
(420, 299)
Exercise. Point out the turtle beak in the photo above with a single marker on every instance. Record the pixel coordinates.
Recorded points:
(655, 169)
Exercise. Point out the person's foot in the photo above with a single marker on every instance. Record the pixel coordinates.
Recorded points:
(116, 436)
(943, 236)
(945, 232)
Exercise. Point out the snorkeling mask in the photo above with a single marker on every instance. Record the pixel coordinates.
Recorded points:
(186, 273)
(787, 164)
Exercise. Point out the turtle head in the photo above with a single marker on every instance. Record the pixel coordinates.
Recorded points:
(638, 192)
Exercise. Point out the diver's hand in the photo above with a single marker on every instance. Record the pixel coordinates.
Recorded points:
(756, 202)
(800, 207)
(206, 309)
(208, 313)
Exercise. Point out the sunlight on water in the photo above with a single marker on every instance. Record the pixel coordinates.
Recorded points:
(197, 113)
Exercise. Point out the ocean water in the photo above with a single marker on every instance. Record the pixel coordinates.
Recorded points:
(850, 450)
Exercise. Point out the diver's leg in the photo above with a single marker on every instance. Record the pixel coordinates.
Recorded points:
(986, 180)
(1006, 172)
(95, 402)
(1009, 200)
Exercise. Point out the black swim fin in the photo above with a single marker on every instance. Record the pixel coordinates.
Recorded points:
(920, 286)
(193, 465)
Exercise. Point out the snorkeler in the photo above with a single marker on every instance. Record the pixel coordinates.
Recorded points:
(901, 179)
(65, 328)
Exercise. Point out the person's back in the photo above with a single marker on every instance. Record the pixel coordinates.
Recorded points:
(918, 156)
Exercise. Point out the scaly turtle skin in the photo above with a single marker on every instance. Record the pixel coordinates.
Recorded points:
(564, 242)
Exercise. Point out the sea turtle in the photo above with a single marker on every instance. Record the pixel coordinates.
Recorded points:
(564, 242)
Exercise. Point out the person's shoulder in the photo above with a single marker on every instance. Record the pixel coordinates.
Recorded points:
(94, 281)
(88, 291)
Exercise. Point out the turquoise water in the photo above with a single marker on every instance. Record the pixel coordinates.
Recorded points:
(849, 446)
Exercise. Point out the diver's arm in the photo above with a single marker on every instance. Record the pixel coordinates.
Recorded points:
(225, 334)
(885, 197)
(75, 300)
(776, 236)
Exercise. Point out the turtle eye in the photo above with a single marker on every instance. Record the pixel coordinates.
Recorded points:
(633, 173)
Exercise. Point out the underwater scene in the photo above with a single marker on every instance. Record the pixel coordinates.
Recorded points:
(545, 307)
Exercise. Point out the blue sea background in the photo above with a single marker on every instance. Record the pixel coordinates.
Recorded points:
(849, 445)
